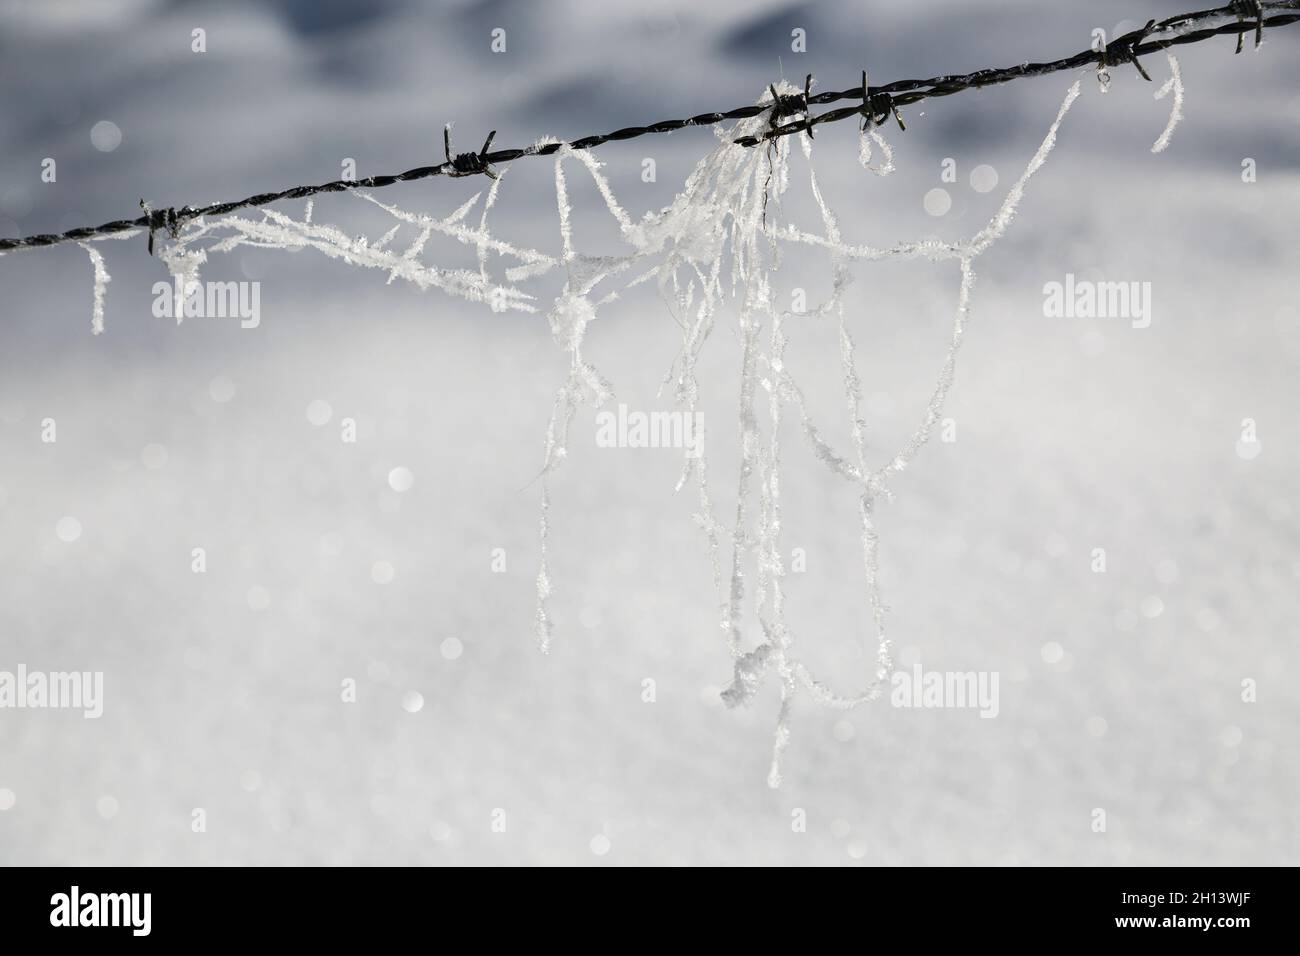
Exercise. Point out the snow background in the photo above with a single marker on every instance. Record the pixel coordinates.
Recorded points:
(1073, 434)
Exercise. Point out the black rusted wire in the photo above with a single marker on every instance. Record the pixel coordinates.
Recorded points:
(878, 103)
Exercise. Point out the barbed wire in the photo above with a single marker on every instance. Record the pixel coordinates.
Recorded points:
(878, 104)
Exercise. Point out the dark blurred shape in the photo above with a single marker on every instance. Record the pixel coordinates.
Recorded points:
(769, 35)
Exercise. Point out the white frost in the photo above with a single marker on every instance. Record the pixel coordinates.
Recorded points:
(718, 244)
(1172, 85)
(102, 278)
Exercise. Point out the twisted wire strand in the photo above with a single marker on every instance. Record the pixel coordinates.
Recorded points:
(877, 104)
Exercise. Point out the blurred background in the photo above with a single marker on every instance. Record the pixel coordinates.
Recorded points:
(1120, 691)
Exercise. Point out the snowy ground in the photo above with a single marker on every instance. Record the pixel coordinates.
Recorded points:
(1120, 691)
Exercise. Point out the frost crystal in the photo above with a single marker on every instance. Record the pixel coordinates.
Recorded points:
(102, 278)
(1172, 85)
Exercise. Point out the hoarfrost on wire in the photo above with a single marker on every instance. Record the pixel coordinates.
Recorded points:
(1172, 85)
(720, 241)
(102, 279)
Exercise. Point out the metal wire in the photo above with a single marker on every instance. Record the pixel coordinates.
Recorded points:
(877, 104)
